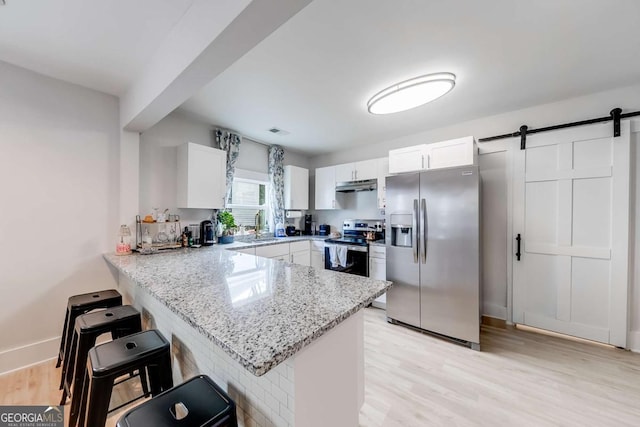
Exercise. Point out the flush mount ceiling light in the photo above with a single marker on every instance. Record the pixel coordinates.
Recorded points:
(411, 93)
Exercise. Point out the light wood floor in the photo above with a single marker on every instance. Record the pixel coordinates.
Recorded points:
(412, 379)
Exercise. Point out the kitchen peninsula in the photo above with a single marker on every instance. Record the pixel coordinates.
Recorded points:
(285, 341)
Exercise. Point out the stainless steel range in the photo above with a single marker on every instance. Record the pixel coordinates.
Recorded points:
(350, 253)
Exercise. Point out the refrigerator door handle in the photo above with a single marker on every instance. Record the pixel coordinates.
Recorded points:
(423, 230)
(414, 231)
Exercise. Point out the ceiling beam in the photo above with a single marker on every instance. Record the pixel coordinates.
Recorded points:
(208, 39)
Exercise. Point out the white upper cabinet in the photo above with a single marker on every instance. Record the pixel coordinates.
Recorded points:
(358, 171)
(201, 177)
(296, 187)
(407, 159)
(455, 152)
(326, 188)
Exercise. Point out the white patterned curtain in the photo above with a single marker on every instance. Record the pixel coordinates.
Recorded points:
(229, 142)
(276, 184)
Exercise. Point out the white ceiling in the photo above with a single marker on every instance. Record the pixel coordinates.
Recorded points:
(314, 75)
(97, 44)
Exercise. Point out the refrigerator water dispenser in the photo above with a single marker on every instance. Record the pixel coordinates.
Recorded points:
(401, 235)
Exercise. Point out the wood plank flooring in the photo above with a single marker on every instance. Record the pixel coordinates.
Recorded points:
(519, 378)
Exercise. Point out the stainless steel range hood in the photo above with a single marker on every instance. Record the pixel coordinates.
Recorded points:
(351, 186)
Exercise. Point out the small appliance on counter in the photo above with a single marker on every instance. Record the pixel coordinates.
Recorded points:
(324, 229)
(207, 233)
(291, 230)
(308, 225)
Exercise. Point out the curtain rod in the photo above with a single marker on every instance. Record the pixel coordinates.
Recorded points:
(615, 115)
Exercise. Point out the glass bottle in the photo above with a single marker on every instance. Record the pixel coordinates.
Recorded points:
(123, 247)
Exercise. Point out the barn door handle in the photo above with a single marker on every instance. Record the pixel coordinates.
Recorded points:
(518, 239)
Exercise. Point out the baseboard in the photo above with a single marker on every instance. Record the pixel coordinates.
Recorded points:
(378, 304)
(494, 322)
(494, 310)
(21, 357)
(634, 341)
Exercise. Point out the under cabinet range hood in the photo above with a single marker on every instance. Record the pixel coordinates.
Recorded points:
(351, 186)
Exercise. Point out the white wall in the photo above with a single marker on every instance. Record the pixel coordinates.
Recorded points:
(59, 185)
(493, 167)
(158, 157)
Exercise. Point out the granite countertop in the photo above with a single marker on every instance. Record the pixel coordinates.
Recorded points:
(260, 311)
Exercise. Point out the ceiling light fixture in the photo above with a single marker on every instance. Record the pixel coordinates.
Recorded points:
(411, 93)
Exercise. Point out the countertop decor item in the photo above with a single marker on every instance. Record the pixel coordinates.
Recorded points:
(124, 241)
(228, 227)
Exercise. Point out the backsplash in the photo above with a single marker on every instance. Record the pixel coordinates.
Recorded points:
(360, 205)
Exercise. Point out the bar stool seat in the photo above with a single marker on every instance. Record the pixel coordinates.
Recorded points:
(76, 306)
(119, 321)
(196, 402)
(147, 351)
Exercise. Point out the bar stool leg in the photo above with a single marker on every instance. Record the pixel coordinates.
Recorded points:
(64, 332)
(79, 378)
(68, 369)
(98, 400)
(160, 375)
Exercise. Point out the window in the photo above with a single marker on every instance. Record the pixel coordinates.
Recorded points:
(248, 198)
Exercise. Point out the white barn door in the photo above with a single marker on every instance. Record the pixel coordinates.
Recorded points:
(571, 209)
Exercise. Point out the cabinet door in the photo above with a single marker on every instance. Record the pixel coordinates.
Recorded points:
(407, 159)
(250, 251)
(281, 257)
(317, 259)
(296, 187)
(201, 173)
(455, 152)
(367, 169)
(301, 258)
(274, 251)
(326, 188)
(345, 173)
(383, 171)
(378, 271)
(378, 268)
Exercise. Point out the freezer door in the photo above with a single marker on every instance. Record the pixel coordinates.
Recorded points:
(450, 268)
(403, 298)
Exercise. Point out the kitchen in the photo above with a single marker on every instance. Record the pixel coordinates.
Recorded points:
(84, 131)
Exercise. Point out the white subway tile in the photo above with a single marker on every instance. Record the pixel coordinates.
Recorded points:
(286, 414)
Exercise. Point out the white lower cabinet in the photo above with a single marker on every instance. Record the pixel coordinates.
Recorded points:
(274, 251)
(250, 251)
(301, 258)
(294, 252)
(317, 254)
(300, 253)
(378, 270)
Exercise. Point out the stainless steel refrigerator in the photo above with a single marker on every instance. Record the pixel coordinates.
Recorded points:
(433, 252)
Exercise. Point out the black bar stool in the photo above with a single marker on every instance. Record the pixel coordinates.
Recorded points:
(148, 352)
(119, 321)
(197, 402)
(77, 305)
